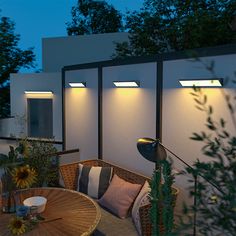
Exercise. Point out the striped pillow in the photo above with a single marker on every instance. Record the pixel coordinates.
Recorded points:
(94, 180)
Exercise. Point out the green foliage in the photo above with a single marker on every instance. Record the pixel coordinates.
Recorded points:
(93, 17)
(155, 196)
(12, 59)
(174, 25)
(39, 156)
(161, 196)
(220, 146)
(216, 198)
(46, 166)
(10, 160)
(168, 214)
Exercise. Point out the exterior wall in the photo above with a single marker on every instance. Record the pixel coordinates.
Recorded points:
(63, 51)
(180, 118)
(129, 114)
(7, 127)
(81, 113)
(43, 81)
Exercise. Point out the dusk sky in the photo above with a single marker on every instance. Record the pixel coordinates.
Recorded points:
(46, 18)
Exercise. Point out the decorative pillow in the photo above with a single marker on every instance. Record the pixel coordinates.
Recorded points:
(94, 180)
(141, 200)
(119, 196)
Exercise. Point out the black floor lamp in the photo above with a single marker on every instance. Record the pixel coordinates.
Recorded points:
(153, 150)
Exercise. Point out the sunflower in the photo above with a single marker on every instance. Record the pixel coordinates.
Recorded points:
(23, 176)
(17, 226)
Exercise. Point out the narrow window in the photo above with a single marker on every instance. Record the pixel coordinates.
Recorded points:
(40, 118)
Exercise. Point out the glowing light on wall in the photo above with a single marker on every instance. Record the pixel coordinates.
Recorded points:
(126, 84)
(202, 83)
(78, 85)
(39, 92)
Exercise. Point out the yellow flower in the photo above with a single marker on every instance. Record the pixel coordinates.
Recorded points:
(17, 226)
(23, 176)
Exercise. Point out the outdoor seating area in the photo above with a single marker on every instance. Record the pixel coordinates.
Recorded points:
(144, 163)
(123, 125)
(122, 206)
(135, 222)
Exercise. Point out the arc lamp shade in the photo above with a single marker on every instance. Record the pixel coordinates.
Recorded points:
(151, 149)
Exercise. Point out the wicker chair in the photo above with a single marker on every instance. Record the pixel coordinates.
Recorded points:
(70, 173)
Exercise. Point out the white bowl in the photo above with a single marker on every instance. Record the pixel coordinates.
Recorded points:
(38, 201)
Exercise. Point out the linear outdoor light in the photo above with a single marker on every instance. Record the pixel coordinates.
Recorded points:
(77, 84)
(126, 84)
(39, 92)
(201, 82)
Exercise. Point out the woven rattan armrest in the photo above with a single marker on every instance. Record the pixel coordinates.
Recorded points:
(145, 221)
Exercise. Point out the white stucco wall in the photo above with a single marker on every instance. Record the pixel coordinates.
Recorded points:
(129, 114)
(180, 118)
(81, 113)
(7, 127)
(62, 51)
(38, 81)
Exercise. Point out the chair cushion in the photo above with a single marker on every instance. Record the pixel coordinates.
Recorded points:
(141, 200)
(94, 180)
(112, 225)
(119, 196)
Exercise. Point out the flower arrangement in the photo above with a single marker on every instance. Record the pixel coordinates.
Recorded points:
(29, 164)
(23, 176)
(17, 225)
(23, 222)
(14, 176)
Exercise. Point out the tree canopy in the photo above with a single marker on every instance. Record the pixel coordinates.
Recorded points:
(93, 17)
(173, 25)
(12, 59)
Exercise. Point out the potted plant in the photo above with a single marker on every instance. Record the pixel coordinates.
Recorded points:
(162, 195)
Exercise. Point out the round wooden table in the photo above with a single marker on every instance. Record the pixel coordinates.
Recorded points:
(79, 214)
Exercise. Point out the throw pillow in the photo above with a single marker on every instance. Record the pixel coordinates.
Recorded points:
(119, 196)
(94, 180)
(141, 200)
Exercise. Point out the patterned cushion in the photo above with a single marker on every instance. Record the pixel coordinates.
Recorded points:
(94, 180)
(119, 196)
(141, 200)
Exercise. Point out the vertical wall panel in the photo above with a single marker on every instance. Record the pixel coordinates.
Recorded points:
(129, 114)
(180, 118)
(81, 108)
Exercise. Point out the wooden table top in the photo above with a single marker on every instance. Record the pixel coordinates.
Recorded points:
(80, 214)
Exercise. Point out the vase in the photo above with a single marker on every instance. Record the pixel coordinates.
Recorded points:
(7, 198)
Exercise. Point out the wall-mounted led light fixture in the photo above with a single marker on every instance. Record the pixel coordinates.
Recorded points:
(77, 85)
(201, 82)
(39, 92)
(126, 84)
